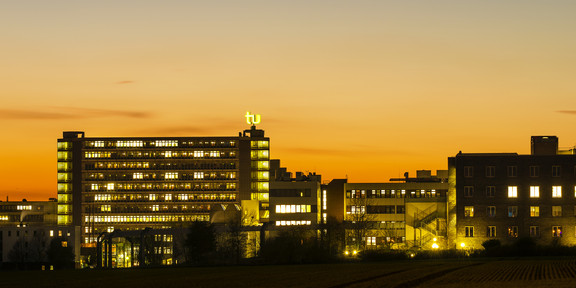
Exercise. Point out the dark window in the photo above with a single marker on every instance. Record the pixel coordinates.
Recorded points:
(468, 191)
(468, 171)
(490, 191)
(512, 171)
(556, 170)
(490, 171)
(534, 171)
(469, 231)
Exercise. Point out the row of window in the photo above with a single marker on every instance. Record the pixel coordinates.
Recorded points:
(513, 211)
(117, 187)
(512, 191)
(293, 223)
(400, 193)
(512, 171)
(163, 197)
(198, 154)
(293, 208)
(512, 231)
(375, 209)
(157, 143)
(145, 218)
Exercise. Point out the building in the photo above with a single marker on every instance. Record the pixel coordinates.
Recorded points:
(133, 183)
(294, 201)
(408, 214)
(507, 196)
(26, 213)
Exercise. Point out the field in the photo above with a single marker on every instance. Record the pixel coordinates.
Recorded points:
(429, 273)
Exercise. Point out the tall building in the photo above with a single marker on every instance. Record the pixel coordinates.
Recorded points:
(507, 196)
(132, 183)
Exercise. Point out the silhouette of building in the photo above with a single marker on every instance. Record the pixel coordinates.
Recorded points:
(507, 196)
(132, 183)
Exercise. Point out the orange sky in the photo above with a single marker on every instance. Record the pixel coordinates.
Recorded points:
(364, 89)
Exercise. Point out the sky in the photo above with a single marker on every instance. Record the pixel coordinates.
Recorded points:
(364, 90)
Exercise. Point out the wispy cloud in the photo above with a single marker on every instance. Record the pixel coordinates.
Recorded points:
(573, 112)
(64, 113)
(125, 82)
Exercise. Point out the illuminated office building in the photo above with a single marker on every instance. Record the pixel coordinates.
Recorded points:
(131, 183)
(507, 196)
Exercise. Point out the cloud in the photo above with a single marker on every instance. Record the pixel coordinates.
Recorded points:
(65, 113)
(573, 112)
(125, 82)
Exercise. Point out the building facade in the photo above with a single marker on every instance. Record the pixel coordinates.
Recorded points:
(397, 215)
(507, 196)
(133, 183)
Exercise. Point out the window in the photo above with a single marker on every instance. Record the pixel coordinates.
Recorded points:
(468, 191)
(534, 211)
(556, 211)
(513, 231)
(490, 171)
(512, 191)
(468, 171)
(556, 191)
(512, 171)
(171, 175)
(556, 171)
(370, 241)
(469, 231)
(534, 231)
(138, 176)
(468, 211)
(556, 231)
(534, 171)
(105, 208)
(534, 191)
(512, 211)
(491, 211)
(491, 231)
(168, 197)
(490, 191)
(198, 175)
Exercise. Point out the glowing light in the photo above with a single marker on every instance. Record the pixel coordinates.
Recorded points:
(252, 119)
(435, 239)
(346, 252)
(354, 252)
(462, 245)
(435, 246)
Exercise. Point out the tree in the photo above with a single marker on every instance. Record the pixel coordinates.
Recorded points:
(200, 242)
(358, 223)
(60, 254)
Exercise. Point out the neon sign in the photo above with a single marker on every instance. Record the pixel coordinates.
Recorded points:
(252, 119)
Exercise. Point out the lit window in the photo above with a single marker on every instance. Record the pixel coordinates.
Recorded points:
(491, 232)
(155, 207)
(166, 143)
(512, 191)
(370, 241)
(64, 243)
(152, 197)
(556, 211)
(168, 197)
(468, 211)
(105, 208)
(24, 207)
(51, 233)
(513, 231)
(110, 186)
(198, 175)
(556, 191)
(171, 175)
(129, 144)
(198, 154)
(556, 231)
(138, 176)
(534, 191)
(534, 211)
(491, 211)
(214, 154)
(94, 186)
(534, 231)
(512, 211)
(469, 230)
(99, 144)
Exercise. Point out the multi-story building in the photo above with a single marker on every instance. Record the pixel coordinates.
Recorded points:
(26, 213)
(394, 215)
(294, 201)
(132, 183)
(507, 196)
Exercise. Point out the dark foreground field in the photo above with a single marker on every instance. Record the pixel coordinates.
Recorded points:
(429, 273)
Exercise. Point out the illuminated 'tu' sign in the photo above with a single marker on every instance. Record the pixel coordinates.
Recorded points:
(252, 119)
